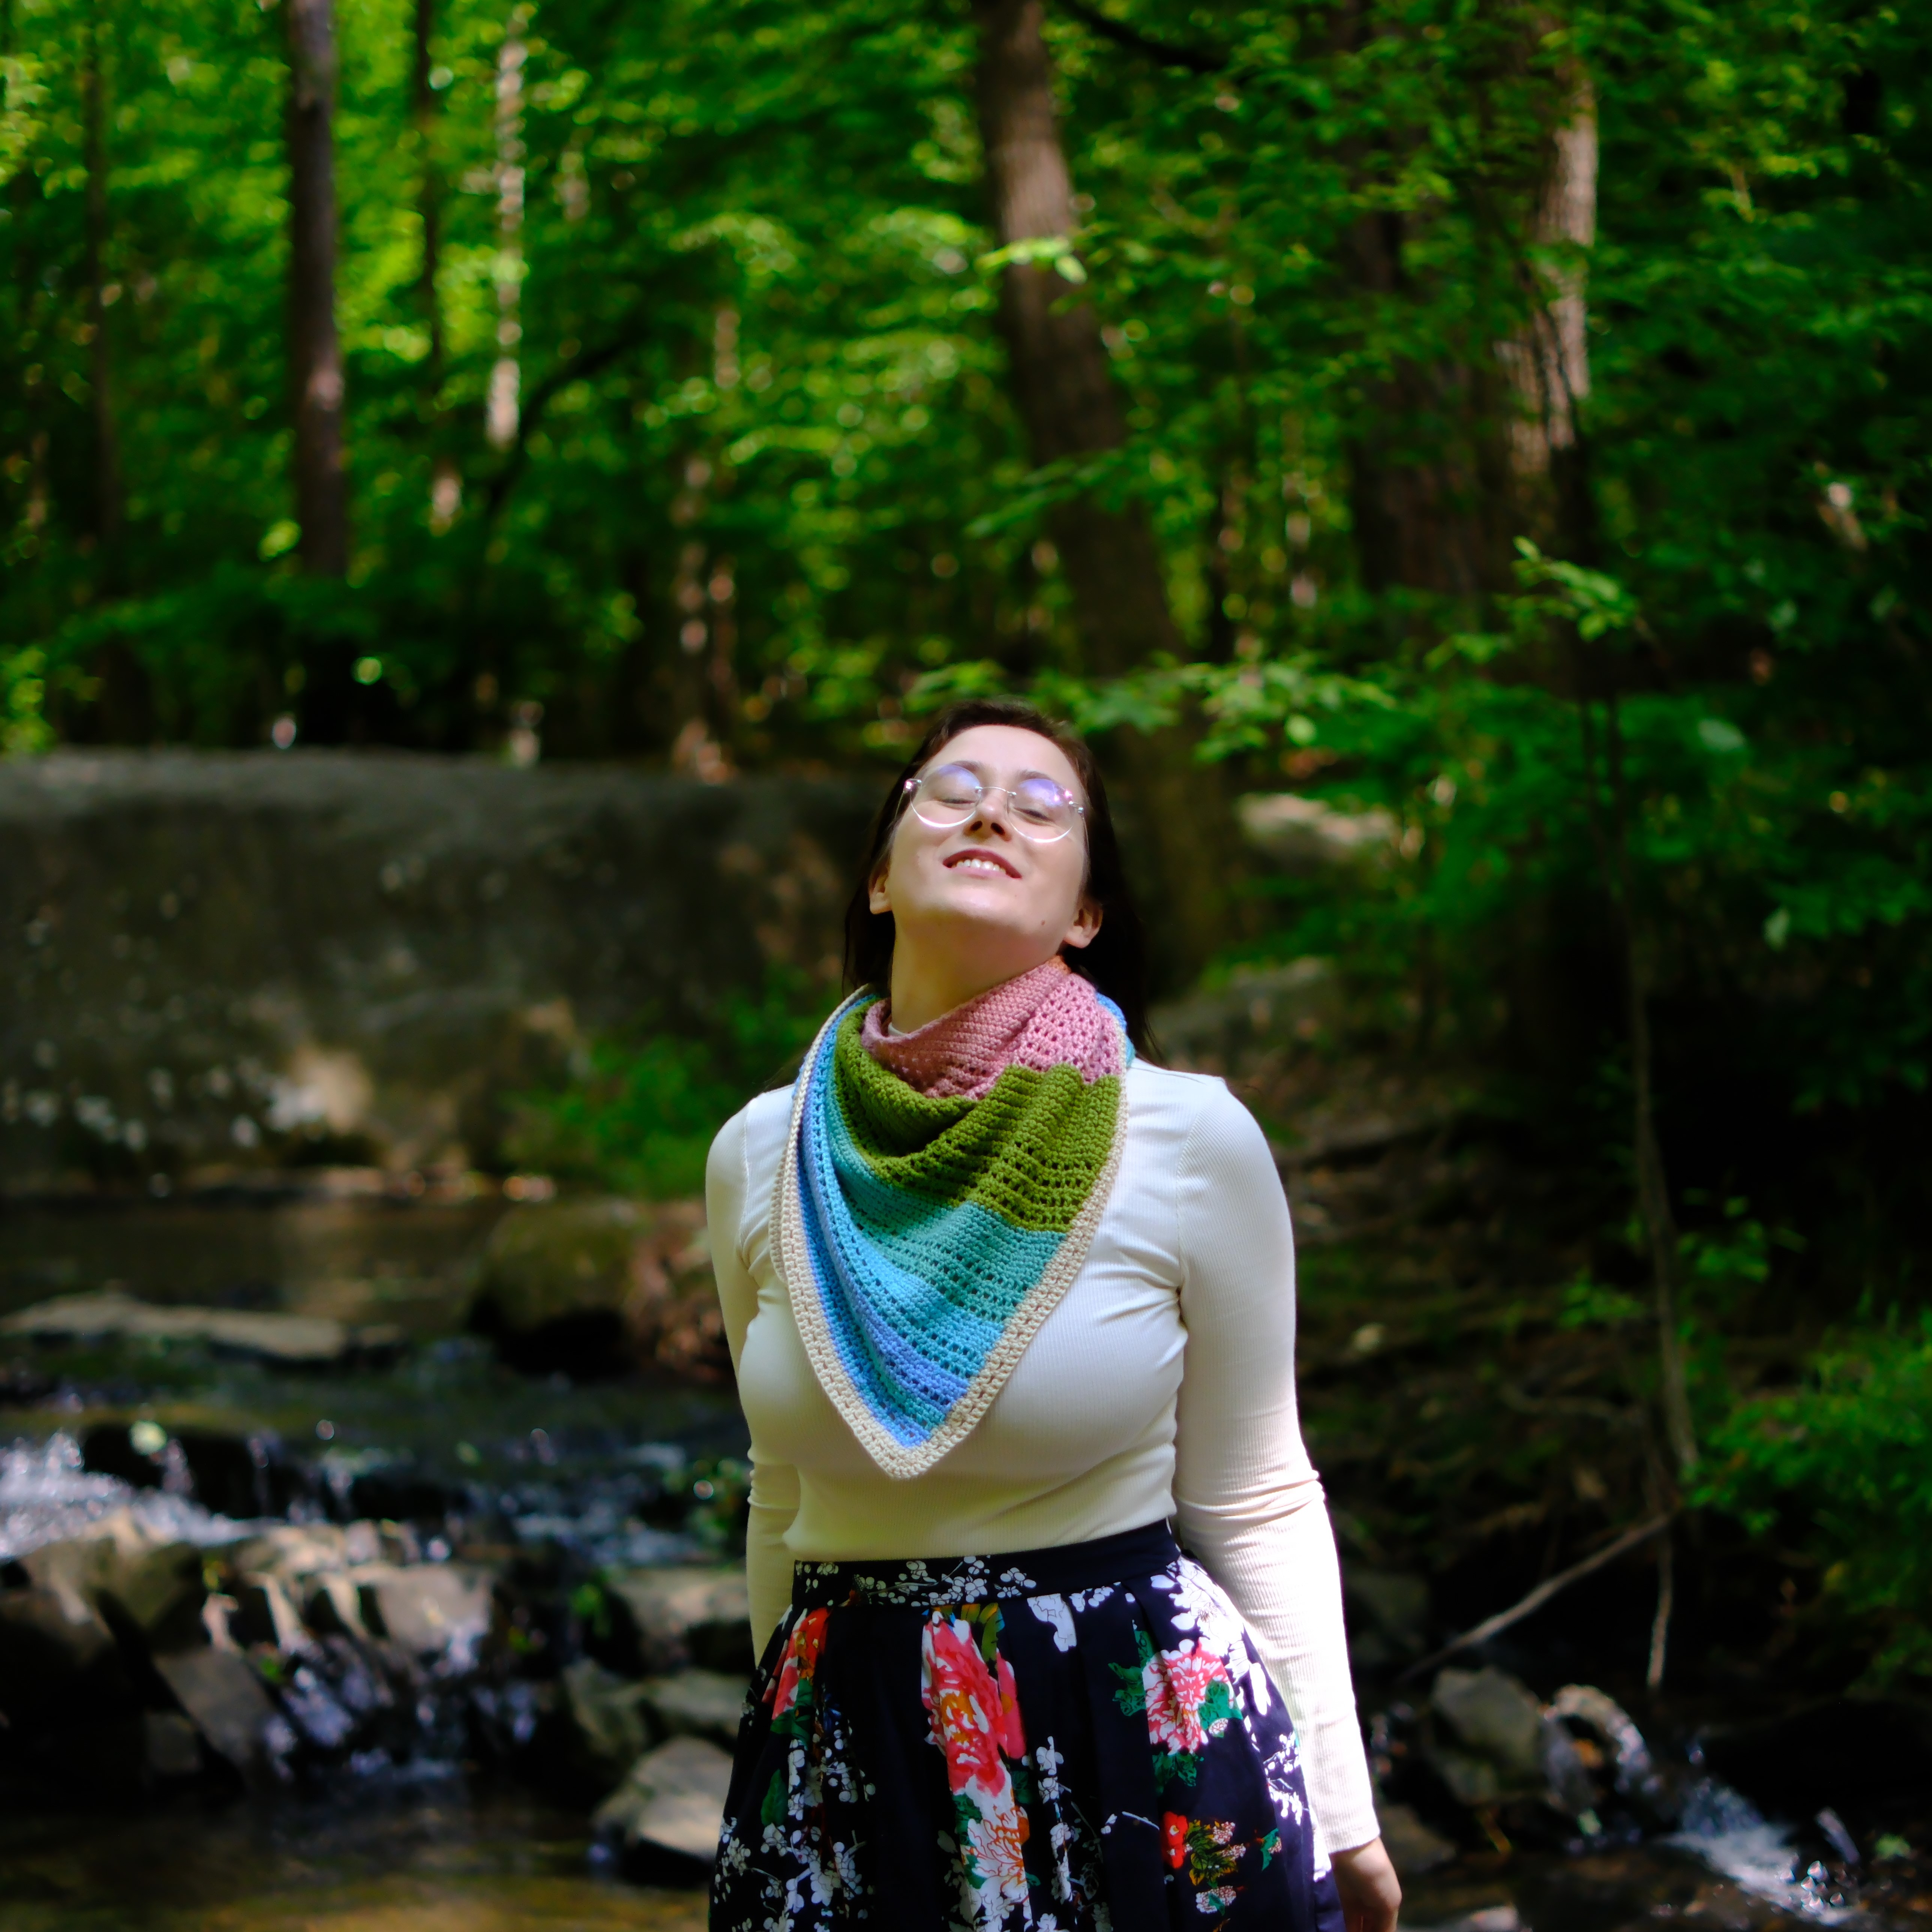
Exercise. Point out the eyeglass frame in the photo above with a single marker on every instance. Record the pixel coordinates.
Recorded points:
(911, 786)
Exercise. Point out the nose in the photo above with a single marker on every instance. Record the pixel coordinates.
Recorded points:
(991, 817)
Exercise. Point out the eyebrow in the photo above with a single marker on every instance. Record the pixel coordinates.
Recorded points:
(978, 771)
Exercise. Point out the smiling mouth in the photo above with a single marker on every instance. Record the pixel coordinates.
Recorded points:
(989, 863)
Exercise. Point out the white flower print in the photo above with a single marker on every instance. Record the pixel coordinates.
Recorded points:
(998, 1848)
(1200, 1604)
(1054, 1611)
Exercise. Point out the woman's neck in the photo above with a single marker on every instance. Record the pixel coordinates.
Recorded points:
(924, 988)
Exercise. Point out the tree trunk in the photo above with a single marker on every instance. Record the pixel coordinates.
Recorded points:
(1063, 385)
(322, 499)
(1548, 361)
(107, 490)
(21, 187)
(429, 184)
(1062, 379)
(506, 377)
(445, 489)
(1427, 496)
(1428, 481)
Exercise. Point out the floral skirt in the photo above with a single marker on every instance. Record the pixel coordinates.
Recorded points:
(1072, 1740)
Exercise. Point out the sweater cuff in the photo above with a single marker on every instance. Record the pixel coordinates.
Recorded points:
(1335, 1770)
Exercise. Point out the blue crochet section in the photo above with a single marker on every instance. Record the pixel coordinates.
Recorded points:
(915, 1295)
(976, 1263)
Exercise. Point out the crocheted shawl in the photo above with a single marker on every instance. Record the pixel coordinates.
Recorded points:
(937, 1196)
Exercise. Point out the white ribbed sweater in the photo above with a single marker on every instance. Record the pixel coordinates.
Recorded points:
(1162, 1386)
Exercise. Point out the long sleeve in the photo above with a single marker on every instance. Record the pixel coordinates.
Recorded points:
(775, 1493)
(1249, 1503)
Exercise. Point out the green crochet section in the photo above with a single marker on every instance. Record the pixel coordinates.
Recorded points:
(1030, 1151)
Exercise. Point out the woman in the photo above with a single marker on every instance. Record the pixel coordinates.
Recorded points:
(1005, 1302)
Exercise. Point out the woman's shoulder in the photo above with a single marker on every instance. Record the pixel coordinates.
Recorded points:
(755, 1135)
(1197, 1112)
(1168, 1089)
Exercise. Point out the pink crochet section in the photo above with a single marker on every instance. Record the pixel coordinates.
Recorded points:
(1049, 1017)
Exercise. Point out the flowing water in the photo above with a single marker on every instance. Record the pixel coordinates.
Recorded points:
(438, 1856)
(422, 1839)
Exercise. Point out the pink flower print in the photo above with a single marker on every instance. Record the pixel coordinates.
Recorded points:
(1012, 1739)
(1178, 1684)
(800, 1660)
(971, 1719)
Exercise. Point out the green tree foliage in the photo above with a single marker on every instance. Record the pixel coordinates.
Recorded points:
(756, 353)
(1842, 1466)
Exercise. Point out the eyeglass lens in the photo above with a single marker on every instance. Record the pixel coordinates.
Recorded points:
(952, 795)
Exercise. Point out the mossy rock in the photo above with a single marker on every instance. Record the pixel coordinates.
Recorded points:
(599, 1286)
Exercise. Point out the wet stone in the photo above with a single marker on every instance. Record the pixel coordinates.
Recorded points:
(57, 1658)
(128, 1575)
(231, 1475)
(1489, 1919)
(593, 1288)
(686, 1616)
(311, 1704)
(672, 1801)
(173, 1746)
(439, 1610)
(698, 1703)
(1412, 1846)
(609, 1726)
(1623, 1767)
(1499, 1719)
(221, 1694)
(289, 1341)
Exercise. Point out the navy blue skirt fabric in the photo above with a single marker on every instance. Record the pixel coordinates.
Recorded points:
(1072, 1740)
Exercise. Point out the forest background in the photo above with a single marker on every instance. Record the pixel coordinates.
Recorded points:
(1500, 430)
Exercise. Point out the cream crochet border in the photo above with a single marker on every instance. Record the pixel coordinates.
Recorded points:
(792, 1259)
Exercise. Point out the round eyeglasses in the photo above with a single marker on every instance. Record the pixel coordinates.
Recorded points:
(1042, 811)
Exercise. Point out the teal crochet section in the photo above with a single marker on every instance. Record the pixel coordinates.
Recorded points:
(928, 1223)
(956, 1256)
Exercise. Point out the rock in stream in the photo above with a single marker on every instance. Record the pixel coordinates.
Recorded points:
(144, 1649)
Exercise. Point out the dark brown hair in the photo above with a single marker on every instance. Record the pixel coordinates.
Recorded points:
(1116, 961)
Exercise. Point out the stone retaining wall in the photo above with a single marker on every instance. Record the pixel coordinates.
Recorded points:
(226, 961)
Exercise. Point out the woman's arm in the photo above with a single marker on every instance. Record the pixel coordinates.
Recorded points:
(774, 1485)
(1249, 1503)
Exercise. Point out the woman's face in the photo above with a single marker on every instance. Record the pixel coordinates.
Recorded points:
(982, 886)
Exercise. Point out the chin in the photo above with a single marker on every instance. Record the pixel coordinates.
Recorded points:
(971, 909)
(982, 907)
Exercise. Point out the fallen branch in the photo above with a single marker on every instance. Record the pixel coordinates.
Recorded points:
(1585, 1408)
(1494, 1626)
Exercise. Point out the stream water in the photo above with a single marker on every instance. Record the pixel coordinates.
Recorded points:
(424, 1840)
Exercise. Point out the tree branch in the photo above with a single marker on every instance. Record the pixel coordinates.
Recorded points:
(588, 362)
(1494, 1626)
(1163, 53)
